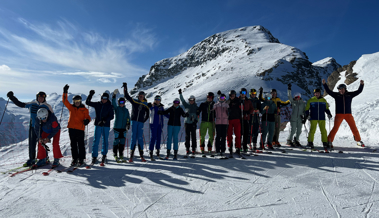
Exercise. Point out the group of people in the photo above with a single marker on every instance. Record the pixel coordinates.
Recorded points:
(245, 116)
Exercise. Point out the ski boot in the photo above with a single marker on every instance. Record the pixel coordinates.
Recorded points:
(269, 146)
(254, 146)
(55, 163)
(310, 144)
(326, 147)
(203, 152)
(361, 144)
(94, 160)
(151, 155)
(238, 151)
(141, 155)
(103, 160)
(81, 163)
(277, 144)
(131, 155)
(74, 162)
(175, 155)
(193, 154)
(187, 154)
(168, 154)
(290, 143)
(297, 144)
(230, 152)
(40, 163)
(29, 163)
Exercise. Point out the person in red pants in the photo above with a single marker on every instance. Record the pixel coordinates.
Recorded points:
(234, 122)
(47, 128)
(343, 100)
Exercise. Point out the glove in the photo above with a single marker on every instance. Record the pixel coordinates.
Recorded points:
(115, 91)
(125, 86)
(289, 86)
(303, 119)
(114, 95)
(266, 108)
(149, 105)
(180, 91)
(92, 92)
(65, 88)
(218, 92)
(86, 122)
(101, 123)
(260, 89)
(330, 116)
(128, 127)
(10, 94)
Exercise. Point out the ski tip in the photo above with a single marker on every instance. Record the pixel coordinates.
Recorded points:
(45, 173)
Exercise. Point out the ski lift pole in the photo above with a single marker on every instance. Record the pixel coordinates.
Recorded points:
(4, 111)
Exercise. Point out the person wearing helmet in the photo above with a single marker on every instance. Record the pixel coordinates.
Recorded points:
(254, 118)
(316, 108)
(120, 126)
(343, 99)
(246, 110)
(77, 121)
(190, 122)
(140, 114)
(173, 127)
(279, 103)
(104, 115)
(156, 126)
(298, 107)
(221, 108)
(207, 122)
(234, 122)
(33, 106)
(46, 128)
(269, 110)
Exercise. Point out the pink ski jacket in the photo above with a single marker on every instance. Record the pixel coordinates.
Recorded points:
(221, 109)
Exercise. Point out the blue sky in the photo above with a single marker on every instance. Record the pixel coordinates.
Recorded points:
(92, 44)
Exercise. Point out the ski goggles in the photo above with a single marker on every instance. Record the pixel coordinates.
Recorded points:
(243, 93)
(176, 102)
(268, 98)
(41, 95)
(222, 98)
(77, 101)
(104, 97)
(191, 99)
(253, 93)
(42, 118)
(122, 102)
(157, 99)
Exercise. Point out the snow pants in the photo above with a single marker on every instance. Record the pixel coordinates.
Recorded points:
(156, 135)
(137, 134)
(56, 148)
(104, 131)
(204, 127)
(350, 121)
(254, 132)
(268, 129)
(321, 124)
(234, 126)
(221, 131)
(245, 133)
(277, 128)
(173, 133)
(119, 141)
(190, 135)
(32, 142)
(295, 129)
(78, 149)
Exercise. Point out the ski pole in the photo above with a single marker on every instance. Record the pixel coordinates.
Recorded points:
(64, 99)
(4, 111)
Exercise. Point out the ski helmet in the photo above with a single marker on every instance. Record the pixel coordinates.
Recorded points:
(268, 96)
(222, 97)
(192, 98)
(41, 94)
(141, 93)
(210, 94)
(105, 96)
(243, 91)
(176, 101)
(253, 92)
(273, 90)
(42, 114)
(77, 97)
(317, 90)
(341, 86)
(297, 95)
(232, 92)
(157, 98)
(121, 100)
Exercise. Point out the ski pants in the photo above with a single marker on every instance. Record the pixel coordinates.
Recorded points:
(268, 129)
(295, 129)
(234, 126)
(245, 133)
(321, 125)
(350, 121)
(100, 130)
(119, 141)
(156, 135)
(137, 134)
(277, 128)
(173, 133)
(190, 134)
(221, 131)
(204, 127)
(78, 149)
(56, 148)
(32, 142)
(254, 132)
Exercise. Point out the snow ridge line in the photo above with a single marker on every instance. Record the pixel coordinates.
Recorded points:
(327, 198)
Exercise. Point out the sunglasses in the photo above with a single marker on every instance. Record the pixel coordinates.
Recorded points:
(157, 99)
(243, 92)
(77, 101)
(122, 102)
(222, 98)
(176, 102)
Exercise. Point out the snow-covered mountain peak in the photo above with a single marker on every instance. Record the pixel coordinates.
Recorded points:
(324, 62)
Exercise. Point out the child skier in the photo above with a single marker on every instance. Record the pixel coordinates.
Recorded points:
(78, 120)
(269, 110)
(33, 107)
(120, 127)
(190, 122)
(173, 127)
(221, 108)
(104, 115)
(298, 106)
(343, 100)
(156, 126)
(46, 128)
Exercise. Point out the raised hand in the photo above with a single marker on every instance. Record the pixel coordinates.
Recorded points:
(289, 86)
(362, 82)
(10, 94)
(65, 88)
(92, 92)
(180, 91)
(218, 92)
(323, 81)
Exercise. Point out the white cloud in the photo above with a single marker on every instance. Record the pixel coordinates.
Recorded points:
(4, 68)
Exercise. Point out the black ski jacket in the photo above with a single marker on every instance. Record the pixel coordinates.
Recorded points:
(234, 108)
(343, 102)
(175, 114)
(207, 114)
